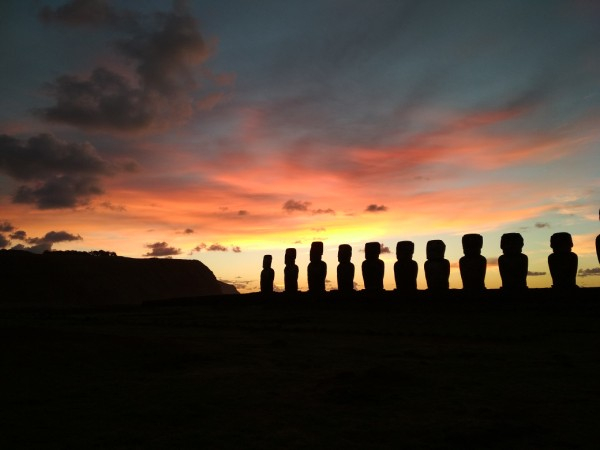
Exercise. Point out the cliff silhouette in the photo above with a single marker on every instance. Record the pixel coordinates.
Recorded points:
(77, 278)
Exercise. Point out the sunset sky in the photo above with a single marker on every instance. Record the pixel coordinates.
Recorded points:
(226, 130)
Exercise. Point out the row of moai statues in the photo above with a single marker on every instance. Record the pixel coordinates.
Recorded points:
(513, 265)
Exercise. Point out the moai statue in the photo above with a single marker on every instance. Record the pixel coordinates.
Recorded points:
(372, 267)
(598, 241)
(562, 262)
(345, 269)
(267, 275)
(317, 268)
(290, 272)
(437, 268)
(473, 264)
(405, 269)
(513, 264)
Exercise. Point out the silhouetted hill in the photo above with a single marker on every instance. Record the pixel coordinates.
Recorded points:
(76, 278)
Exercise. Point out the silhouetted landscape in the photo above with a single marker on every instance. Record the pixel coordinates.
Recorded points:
(300, 371)
(100, 278)
(123, 353)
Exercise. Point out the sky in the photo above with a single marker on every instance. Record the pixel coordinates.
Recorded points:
(224, 131)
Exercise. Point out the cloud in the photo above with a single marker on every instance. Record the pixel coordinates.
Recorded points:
(323, 211)
(375, 208)
(165, 54)
(294, 205)
(81, 12)
(59, 174)
(542, 225)
(242, 212)
(6, 226)
(188, 231)
(45, 243)
(593, 272)
(3, 241)
(112, 207)
(535, 274)
(19, 235)
(236, 249)
(159, 249)
(385, 249)
(53, 237)
(216, 247)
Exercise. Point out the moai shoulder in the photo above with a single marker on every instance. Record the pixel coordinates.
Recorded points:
(562, 261)
(513, 264)
(437, 268)
(345, 269)
(290, 272)
(267, 275)
(405, 268)
(317, 268)
(473, 264)
(372, 267)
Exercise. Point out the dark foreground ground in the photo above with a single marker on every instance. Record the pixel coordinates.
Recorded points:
(245, 372)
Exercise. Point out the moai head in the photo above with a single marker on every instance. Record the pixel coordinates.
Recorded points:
(344, 253)
(290, 256)
(405, 250)
(561, 242)
(267, 260)
(511, 243)
(472, 244)
(316, 251)
(372, 250)
(435, 249)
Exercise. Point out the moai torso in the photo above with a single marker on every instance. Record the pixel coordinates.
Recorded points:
(345, 269)
(317, 269)
(267, 275)
(598, 242)
(372, 267)
(473, 264)
(512, 263)
(437, 268)
(562, 262)
(405, 269)
(290, 272)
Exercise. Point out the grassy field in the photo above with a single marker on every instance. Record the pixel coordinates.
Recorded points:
(245, 372)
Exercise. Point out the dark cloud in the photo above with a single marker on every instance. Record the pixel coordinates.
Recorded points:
(242, 212)
(59, 192)
(593, 272)
(165, 53)
(188, 231)
(53, 237)
(535, 274)
(59, 174)
(210, 248)
(43, 244)
(19, 235)
(236, 249)
(6, 226)
(4, 242)
(385, 249)
(375, 208)
(542, 225)
(323, 211)
(112, 207)
(81, 12)
(160, 249)
(294, 205)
